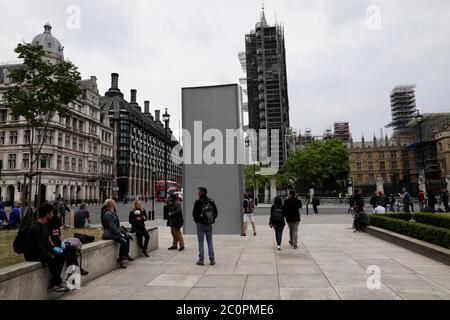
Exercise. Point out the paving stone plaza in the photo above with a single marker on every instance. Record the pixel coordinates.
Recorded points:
(330, 263)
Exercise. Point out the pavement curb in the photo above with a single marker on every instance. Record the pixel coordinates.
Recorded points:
(424, 248)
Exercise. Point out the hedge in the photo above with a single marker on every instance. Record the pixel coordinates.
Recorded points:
(437, 220)
(431, 234)
(406, 216)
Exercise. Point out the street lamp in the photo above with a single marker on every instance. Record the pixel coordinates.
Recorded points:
(153, 195)
(166, 119)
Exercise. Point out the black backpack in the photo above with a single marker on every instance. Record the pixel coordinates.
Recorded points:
(20, 242)
(207, 215)
(277, 216)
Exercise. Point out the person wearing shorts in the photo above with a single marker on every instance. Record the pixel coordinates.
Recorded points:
(248, 215)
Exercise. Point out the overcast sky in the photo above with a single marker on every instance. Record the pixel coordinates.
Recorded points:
(339, 69)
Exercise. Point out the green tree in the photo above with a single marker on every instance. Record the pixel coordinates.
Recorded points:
(322, 164)
(252, 176)
(39, 91)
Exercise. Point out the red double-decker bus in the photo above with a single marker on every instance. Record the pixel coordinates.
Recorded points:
(160, 187)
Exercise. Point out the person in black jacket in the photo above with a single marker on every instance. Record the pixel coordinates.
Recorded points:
(137, 218)
(291, 210)
(175, 222)
(444, 199)
(201, 206)
(315, 204)
(277, 220)
(432, 201)
(37, 248)
(111, 231)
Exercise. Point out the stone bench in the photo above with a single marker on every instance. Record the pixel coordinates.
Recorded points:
(29, 280)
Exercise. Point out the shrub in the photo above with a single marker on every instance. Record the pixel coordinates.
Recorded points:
(428, 233)
(438, 220)
(406, 216)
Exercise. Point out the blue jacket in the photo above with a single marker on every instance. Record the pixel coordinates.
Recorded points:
(14, 217)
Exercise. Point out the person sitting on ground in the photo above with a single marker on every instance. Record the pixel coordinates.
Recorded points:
(3, 219)
(14, 216)
(36, 248)
(175, 222)
(55, 241)
(277, 221)
(81, 216)
(111, 231)
(379, 209)
(137, 218)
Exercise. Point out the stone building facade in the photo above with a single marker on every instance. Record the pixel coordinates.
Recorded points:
(76, 158)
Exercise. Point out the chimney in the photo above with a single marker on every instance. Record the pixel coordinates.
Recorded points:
(146, 106)
(133, 96)
(157, 115)
(114, 81)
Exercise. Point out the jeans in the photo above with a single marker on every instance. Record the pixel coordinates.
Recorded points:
(278, 233)
(143, 238)
(177, 236)
(316, 210)
(202, 231)
(54, 264)
(420, 206)
(124, 246)
(293, 232)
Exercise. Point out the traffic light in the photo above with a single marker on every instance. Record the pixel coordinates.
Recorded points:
(19, 186)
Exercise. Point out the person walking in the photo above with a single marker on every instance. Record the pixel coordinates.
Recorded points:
(277, 221)
(62, 210)
(204, 214)
(406, 198)
(175, 222)
(247, 206)
(291, 210)
(315, 204)
(432, 201)
(112, 231)
(421, 199)
(137, 218)
(445, 199)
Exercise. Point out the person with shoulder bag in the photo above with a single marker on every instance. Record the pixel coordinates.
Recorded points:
(137, 218)
(205, 214)
(175, 222)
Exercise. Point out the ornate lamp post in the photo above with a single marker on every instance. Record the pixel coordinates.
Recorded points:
(166, 119)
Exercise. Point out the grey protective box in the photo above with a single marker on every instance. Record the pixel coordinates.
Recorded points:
(217, 107)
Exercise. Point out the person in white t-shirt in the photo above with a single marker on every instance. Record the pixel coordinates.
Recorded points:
(379, 209)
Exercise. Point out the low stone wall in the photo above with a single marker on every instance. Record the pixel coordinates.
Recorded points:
(29, 280)
(429, 250)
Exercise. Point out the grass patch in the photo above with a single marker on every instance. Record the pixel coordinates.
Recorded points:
(9, 257)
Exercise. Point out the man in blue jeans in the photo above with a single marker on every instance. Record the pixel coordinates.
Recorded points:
(202, 207)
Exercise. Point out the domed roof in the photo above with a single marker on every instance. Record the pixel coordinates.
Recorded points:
(51, 45)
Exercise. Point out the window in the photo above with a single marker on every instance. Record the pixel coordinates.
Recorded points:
(80, 126)
(14, 118)
(74, 124)
(74, 144)
(394, 164)
(59, 163)
(369, 155)
(13, 137)
(74, 165)
(393, 154)
(80, 165)
(68, 121)
(45, 161)
(406, 164)
(27, 136)
(381, 155)
(359, 177)
(66, 164)
(358, 166)
(12, 161)
(2, 137)
(26, 161)
(371, 177)
(370, 165)
(67, 141)
(3, 115)
(60, 139)
(80, 145)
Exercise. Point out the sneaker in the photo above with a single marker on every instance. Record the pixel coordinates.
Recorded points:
(200, 263)
(145, 253)
(296, 247)
(83, 272)
(254, 233)
(61, 288)
(279, 248)
(243, 235)
(290, 242)
(130, 258)
(181, 249)
(172, 248)
(213, 262)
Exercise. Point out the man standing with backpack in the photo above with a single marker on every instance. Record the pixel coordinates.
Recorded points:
(204, 214)
(248, 214)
